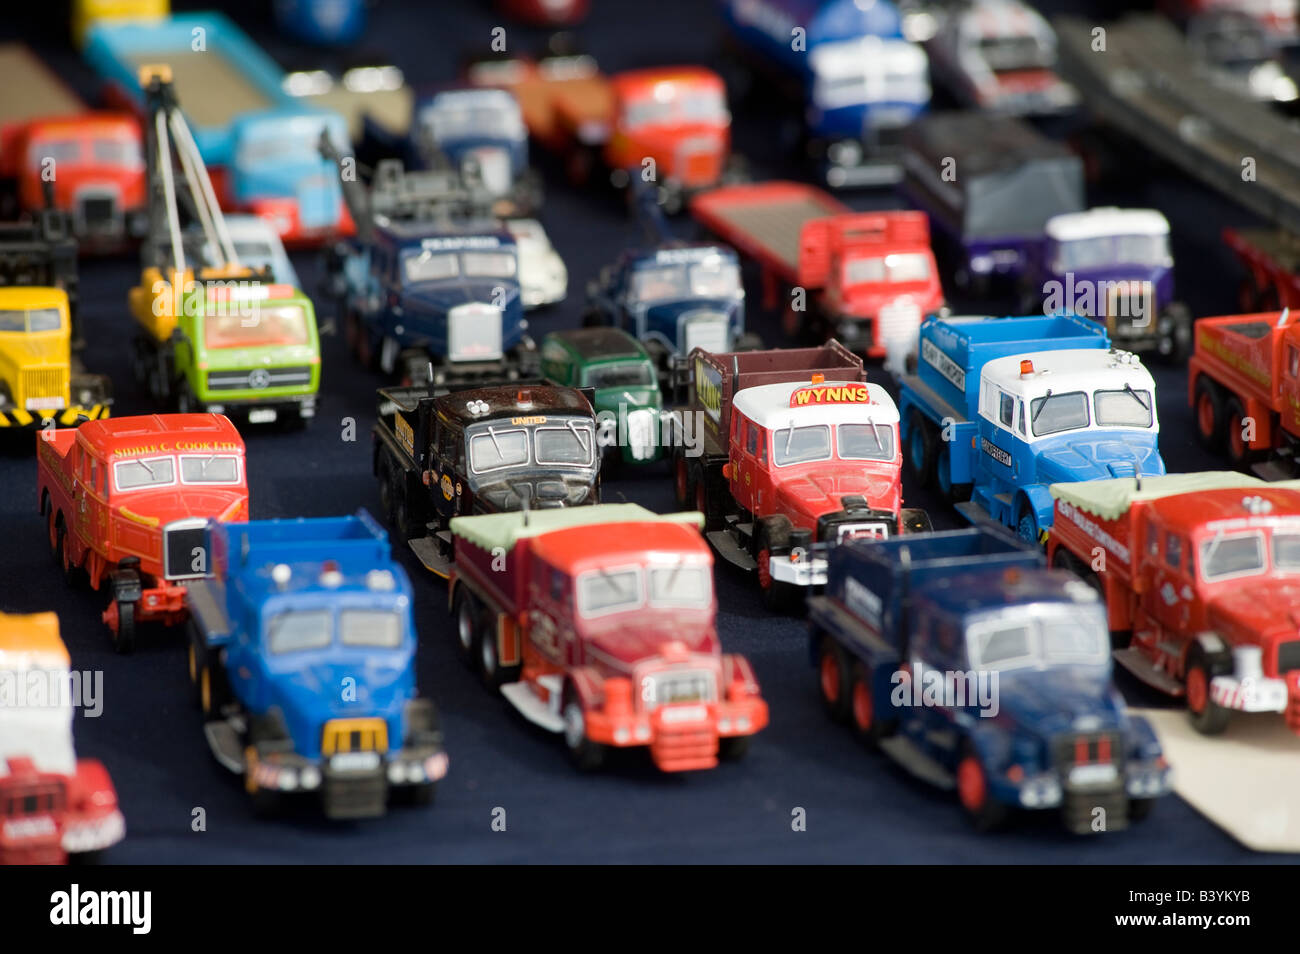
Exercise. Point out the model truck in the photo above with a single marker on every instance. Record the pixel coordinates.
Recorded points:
(302, 653)
(624, 383)
(211, 333)
(1271, 260)
(52, 803)
(976, 668)
(855, 76)
(989, 184)
(1199, 571)
(125, 502)
(259, 140)
(599, 624)
(1243, 384)
(797, 450)
(1002, 407)
(440, 454)
(54, 150)
(1000, 56)
(869, 277)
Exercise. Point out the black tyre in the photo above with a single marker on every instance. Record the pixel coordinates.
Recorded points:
(124, 637)
(1211, 424)
(683, 481)
(773, 539)
(953, 493)
(214, 691)
(1206, 715)
(921, 441)
(587, 755)
(490, 668)
(704, 500)
(734, 748)
(467, 617)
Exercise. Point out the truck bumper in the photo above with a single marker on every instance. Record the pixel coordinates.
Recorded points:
(17, 417)
(1259, 694)
(266, 410)
(681, 738)
(83, 834)
(808, 571)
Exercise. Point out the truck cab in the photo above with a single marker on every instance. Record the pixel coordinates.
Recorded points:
(480, 126)
(1051, 416)
(36, 380)
(675, 116)
(1114, 265)
(52, 803)
(277, 173)
(672, 299)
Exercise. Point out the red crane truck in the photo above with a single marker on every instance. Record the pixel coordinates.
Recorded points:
(599, 623)
(794, 448)
(869, 277)
(1204, 571)
(1243, 383)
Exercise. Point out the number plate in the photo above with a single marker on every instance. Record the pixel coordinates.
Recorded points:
(1093, 774)
(676, 714)
(354, 762)
(262, 415)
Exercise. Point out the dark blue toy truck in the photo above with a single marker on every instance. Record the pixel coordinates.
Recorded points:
(302, 653)
(976, 668)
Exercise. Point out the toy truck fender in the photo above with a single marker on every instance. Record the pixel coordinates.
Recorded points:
(1039, 500)
(1143, 743)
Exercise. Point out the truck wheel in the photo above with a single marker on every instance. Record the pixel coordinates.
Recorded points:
(683, 485)
(1027, 525)
(833, 678)
(59, 548)
(214, 691)
(921, 440)
(266, 802)
(586, 754)
(862, 707)
(1206, 715)
(124, 634)
(1210, 420)
(490, 669)
(702, 501)
(954, 493)
(1240, 452)
(1177, 345)
(983, 811)
(773, 539)
(467, 613)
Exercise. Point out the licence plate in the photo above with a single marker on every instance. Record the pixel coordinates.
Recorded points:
(45, 404)
(1093, 774)
(354, 762)
(263, 415)
(684, 714)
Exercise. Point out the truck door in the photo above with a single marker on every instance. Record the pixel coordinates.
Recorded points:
(96, 499)
(1290, 386)
(1165, 565)
(1000, 414)
(546, 590)
(744, 444)
(448, 489)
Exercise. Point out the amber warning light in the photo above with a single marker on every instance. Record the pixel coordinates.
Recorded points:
(1026, 368)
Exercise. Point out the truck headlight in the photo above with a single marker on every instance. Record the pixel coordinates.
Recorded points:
(310, 778)
(397, 772)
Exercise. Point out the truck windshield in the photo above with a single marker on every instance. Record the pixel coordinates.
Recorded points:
(902, 267)
(65, 151)
(145, 472)
(34, 319)
(1109, 250)
(263, 326)
(799, 445)
(715, 279)
(494, 449)
(488, 264)
(430, 267)
(698, 106)
(1127, 408)
(659, 284)
(865, 441)
(1225, 556)
(1048, 636)
(573, 444)
(116, 152)
(209, 469)
(298, 630)
(1286, 550)
(609, 591)
(449, 122)
(623, 374)
(680, 586)
(1054, 413)
(371, 628)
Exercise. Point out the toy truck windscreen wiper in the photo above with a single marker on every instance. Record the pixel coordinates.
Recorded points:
(1047, 396)
(875, 434)
(495, 444)
(582, 438)
(789, 436)
(1208, 558)
(1137, 397)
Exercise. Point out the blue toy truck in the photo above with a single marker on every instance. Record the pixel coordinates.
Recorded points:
(302, 653)
(1002, 407)
(858, 79)
(978, 669)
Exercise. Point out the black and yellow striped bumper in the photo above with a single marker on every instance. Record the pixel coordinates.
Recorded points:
(66, 417)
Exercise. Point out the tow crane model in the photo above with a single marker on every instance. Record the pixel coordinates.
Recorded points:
(212, 334)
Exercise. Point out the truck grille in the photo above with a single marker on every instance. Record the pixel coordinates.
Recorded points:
(898, 319)
(677, 686)
(180, 541)
(259, 379)
(21, 801)
(1288, 656)
(342, 736)
(98, 211)
(704, 329)
(44, 385)
(474, 333)
(860, 531)
(1089, 759)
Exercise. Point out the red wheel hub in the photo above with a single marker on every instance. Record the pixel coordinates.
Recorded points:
(971, 787)
(680, 476)
(1235, 438)
(1205, 415)
(862, 707)
(1198, 690)
(830, 677)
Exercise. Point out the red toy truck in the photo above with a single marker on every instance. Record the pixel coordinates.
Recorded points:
(598, 623)
(870, 277)
(1202, 569)
(126, 501)
(796, 448)
(90, 160)
(52, 804)
(1243, 383)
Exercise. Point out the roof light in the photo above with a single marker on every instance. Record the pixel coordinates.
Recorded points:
(280, 574)
(524, 398)
(380, 580)
(819, 379)
(1026, 368)
(477, 408)
(330, 575)
(1255, 504)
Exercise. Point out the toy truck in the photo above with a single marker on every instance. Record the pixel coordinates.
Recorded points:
(1243, 387)
(673, 297)
(870, 277)
(543, 276)
(797, 449)
(125, 502)
(440, 454)
(855, 76)
(56, 151)
(976, 668)
(295, 613)
(1277, 18)
(1199, 570)
(485, 127)
(1112, 265)
(1271, 260)
(624, 382)
(259, 141)
(1000, 56)
(600, 627)
(370, 93)
(989, 185)
(52, 803)
(1002, 407)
